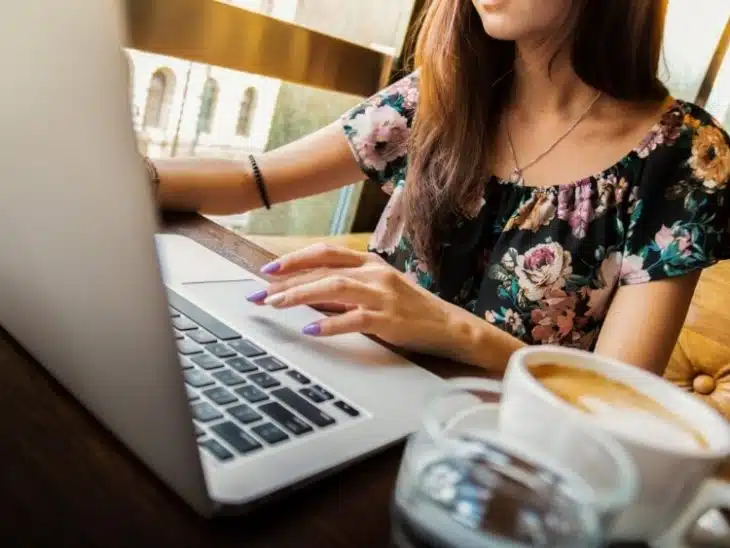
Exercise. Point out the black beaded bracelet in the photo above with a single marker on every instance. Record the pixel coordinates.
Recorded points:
(259, 181)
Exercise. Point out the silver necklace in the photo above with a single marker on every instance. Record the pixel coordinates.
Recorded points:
(517, 175)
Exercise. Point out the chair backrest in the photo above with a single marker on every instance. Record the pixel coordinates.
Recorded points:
(700, 362)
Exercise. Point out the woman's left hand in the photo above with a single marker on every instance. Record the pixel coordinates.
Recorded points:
(376, 299)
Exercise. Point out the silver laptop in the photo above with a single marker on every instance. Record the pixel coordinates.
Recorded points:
(152, 333)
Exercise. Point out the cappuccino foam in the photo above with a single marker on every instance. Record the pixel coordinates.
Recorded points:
(618, 406)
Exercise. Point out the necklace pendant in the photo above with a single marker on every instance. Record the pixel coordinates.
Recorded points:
(516, 177)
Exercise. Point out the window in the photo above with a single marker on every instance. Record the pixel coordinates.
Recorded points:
(273, 112)
(159, 97)
(248, 104)
(691, 34)
(208, 102)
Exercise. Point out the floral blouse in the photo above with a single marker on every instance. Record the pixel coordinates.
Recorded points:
(544, 263)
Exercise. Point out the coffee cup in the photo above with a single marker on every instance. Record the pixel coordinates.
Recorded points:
(676, 441)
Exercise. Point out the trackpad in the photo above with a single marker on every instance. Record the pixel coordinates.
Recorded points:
(229, 299)
(282, 327)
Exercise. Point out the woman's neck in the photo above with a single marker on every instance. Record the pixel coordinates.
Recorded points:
(542, 87)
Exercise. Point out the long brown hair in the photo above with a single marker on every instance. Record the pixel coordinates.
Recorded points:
(615, 48)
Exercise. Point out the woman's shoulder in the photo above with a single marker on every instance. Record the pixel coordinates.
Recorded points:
(692, 141)
(696, 113)
(378, 130)
(400, 97)
(680, 210)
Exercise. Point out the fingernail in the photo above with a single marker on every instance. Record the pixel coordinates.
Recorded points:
(257, 297)
(274, 299)
(270, 268)
(312, 329)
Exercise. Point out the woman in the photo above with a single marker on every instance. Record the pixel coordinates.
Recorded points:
(544, 189)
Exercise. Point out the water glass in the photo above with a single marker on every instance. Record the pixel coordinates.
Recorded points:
(464, 483)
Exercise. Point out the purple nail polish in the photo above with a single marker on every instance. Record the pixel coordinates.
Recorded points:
(270, 268)
(312, 329)
(257, 297)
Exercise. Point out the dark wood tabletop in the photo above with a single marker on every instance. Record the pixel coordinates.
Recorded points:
(66, 481)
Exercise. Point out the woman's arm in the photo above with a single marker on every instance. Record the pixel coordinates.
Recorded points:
(316, 163)
(644, 321)
(641, 326)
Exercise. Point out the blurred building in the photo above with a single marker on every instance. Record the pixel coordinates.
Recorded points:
(181, 108)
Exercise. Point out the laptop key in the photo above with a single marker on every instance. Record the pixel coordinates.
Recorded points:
(188, 347)
(242, 365)
(271, 364)
(303, 407)
(217, 450)
(192, 396)
(269, 433)
(198, 431)
(183, 324)
(299, 377)
(221, 350)
(206, 361)
(205, 412)
(322, 392)
(236, 437)
(179, 335)
(185, 363)
(264, 380)
(243, 413)
(251, 394)
(286, 418)
(347, 408)
(247, 348)
(228, 377)
(313, 395)
(196, 378)
(220, 396)
(201, 337)
(203, 319)
(174, 313)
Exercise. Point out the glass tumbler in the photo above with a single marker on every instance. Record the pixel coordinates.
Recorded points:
(463, 483)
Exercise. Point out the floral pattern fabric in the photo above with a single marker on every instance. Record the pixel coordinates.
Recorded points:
(544, 263)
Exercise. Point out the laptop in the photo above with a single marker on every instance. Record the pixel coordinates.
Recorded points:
(225, 401)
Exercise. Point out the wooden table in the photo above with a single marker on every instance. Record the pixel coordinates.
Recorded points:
(66, 481)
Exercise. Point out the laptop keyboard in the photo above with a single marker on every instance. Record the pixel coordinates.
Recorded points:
(243, 399)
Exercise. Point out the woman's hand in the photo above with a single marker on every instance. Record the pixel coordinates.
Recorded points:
(375, 299)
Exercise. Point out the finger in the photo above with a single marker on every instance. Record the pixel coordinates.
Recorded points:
(295, 280)
(333, 307)
(315, 256)
(337, 308)
(337, 289)
(358, 320)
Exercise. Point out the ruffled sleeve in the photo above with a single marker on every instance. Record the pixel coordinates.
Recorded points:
(378, 130)
(677, 220)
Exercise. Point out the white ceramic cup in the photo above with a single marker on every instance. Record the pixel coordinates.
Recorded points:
(676, 484)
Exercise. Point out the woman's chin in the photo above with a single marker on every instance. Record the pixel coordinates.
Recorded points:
(502, 33)
(501, 28)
